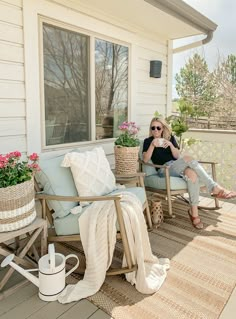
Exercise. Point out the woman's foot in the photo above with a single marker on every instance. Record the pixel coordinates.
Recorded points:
(220, 192)
(195, 220)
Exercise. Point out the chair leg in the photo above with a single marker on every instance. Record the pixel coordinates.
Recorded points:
(168, 193)
(170, 209)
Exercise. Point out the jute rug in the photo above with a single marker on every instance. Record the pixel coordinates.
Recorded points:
(201, 278)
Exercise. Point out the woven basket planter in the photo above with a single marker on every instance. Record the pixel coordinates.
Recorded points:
(17, 206)
(126, 159)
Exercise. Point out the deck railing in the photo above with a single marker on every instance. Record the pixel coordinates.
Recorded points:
(218, 146)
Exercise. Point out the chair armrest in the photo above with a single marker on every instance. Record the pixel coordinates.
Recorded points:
(41, 195)
(213, 168)
(208, 162)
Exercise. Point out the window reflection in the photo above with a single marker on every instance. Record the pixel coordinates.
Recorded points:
(111, 93)
(65, 85)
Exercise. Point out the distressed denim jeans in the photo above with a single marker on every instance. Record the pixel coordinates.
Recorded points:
(177, 168)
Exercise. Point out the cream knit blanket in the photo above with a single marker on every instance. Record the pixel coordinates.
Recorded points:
(98, 236)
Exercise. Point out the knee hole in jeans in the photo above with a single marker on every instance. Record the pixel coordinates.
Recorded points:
(190, 175)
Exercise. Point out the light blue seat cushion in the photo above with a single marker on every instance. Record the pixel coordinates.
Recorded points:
(57, 180)
(69, 225)
(157, 182)
(138, 191)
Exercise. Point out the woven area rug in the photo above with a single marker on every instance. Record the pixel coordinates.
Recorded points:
(201, 278)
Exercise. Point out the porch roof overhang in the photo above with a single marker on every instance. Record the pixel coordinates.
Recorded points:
(168, 19)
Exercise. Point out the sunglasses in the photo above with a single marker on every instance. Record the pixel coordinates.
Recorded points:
(156, 127)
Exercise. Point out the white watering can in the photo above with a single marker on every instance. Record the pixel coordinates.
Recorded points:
(52, 275)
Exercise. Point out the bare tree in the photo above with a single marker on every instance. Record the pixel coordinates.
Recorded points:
(225, 82)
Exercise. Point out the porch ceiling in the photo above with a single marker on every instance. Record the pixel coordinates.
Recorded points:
(168, 19)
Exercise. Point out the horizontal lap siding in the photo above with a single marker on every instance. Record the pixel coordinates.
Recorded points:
(12, 78)
(147, 94)
(151, 93)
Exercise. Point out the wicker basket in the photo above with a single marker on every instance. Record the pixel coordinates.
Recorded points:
(17, 206)
(126, 159)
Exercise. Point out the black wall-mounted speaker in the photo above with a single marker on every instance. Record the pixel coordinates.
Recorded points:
(155, 69)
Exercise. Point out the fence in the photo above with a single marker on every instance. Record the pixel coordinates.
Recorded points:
(218, 146)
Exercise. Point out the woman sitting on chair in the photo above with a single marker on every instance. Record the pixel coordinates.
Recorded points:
(161, 147)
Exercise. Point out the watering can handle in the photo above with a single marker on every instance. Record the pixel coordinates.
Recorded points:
(77, 264)
(51, 252)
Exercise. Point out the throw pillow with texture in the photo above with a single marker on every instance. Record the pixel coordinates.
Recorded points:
(91, 172)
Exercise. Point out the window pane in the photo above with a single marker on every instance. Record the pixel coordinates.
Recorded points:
(65, 85)
(111, 79)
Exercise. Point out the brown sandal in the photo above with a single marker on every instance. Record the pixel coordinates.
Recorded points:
(224, 194)
(198, 225)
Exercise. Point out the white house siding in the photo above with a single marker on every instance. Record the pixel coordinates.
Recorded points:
(12, 87)
(150, 93)
(146, 94)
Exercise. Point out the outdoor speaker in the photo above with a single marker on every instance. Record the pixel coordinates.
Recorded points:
(155, 69)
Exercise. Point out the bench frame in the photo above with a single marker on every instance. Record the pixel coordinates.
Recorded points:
(52, 237)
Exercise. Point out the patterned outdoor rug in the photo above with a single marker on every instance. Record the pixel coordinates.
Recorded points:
(201, 278)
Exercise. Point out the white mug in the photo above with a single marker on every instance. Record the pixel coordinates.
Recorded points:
(160, 141)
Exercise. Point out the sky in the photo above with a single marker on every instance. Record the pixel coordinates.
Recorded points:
(223, 13)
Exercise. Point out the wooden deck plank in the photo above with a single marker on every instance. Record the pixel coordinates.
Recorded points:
(25, 308)
(99, 314)
(51, 310)
(82, 310)
(17, 298)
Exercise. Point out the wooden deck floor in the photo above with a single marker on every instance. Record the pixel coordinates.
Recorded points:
(24, 302)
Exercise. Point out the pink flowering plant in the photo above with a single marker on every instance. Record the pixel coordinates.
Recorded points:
(128, 136)
(14, 171)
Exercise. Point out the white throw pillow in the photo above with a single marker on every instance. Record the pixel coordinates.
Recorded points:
(91, 172)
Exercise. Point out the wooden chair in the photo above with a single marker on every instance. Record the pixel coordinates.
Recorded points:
(168, 192)
(121, 234)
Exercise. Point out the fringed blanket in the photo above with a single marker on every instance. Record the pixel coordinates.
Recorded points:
(98, 236)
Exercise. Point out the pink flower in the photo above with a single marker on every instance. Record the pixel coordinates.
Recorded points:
(14, 171)
(15, 154)
(34, 157)
(2, 164)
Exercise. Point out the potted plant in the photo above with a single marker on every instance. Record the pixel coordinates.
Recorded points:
(179, 124)
(17, 208)
(127, 148)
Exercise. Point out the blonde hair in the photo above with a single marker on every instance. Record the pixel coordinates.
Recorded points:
(166, 133)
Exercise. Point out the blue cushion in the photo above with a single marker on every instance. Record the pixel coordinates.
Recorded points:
(157, 182)
(69, 224)
(138, 191)
(57, 180)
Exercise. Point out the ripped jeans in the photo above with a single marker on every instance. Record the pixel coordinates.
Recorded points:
(177, 168)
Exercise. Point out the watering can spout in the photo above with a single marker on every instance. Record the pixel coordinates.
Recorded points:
(9, 261)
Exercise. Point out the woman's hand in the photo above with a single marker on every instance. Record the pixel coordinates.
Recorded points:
(161, 142)
(166, 143)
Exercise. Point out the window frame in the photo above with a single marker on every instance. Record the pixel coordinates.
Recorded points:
(91, 89)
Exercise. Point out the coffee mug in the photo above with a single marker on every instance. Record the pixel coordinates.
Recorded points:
(160, 141)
